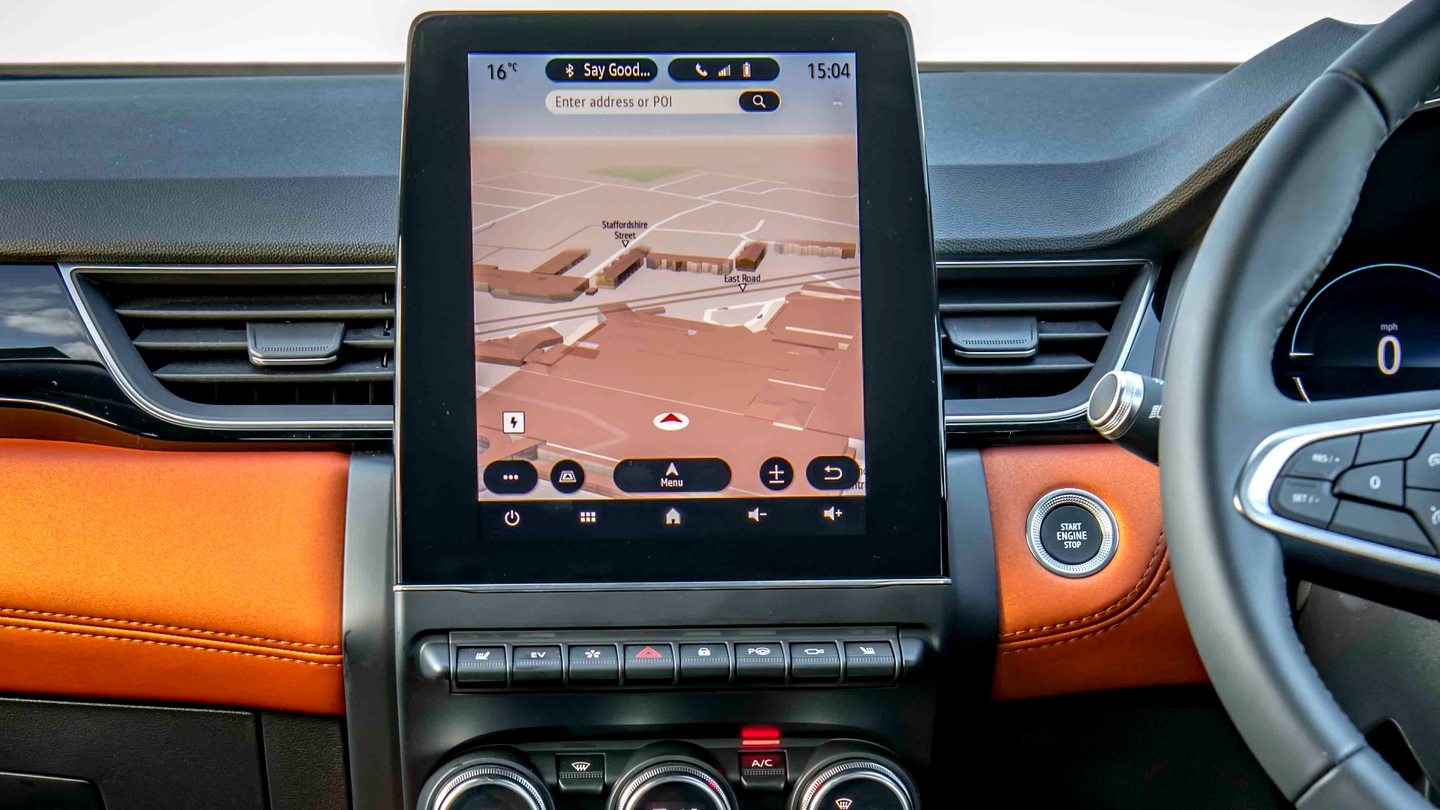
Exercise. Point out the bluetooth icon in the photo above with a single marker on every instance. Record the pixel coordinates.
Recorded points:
(569, 71)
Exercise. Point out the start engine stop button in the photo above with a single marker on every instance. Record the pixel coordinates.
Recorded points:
(1072, 533)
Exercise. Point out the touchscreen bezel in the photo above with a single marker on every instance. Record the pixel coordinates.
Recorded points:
(439, 535)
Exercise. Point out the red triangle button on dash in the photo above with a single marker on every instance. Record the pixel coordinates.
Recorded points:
(648, 652)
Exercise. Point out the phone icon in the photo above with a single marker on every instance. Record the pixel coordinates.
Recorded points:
(700, 69)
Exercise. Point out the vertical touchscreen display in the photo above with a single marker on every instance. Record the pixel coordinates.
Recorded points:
(667, 293)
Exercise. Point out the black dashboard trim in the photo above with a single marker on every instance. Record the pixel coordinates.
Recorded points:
(132, 376)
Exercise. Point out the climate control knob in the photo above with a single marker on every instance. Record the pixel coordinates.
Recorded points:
(672, 784)
(486, 781)
(860, 783)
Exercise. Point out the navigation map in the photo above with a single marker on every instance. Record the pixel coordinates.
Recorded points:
(667, 297)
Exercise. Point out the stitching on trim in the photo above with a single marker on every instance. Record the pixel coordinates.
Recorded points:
(1102, 630)
(165, 644)
(179, 638)
(166, 627)
(1146, 577)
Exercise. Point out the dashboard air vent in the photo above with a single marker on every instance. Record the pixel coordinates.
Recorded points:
(1030, 334)
(258, 337)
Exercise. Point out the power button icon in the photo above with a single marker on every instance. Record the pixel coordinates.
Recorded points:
(511, 518)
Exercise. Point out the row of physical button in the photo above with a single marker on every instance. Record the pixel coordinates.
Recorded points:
(599, 664)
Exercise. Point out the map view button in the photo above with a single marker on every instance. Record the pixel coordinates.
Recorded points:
(672, 475)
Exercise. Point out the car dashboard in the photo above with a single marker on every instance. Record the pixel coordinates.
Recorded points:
(202, 512)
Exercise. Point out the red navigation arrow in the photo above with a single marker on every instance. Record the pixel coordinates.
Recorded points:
(670, 417)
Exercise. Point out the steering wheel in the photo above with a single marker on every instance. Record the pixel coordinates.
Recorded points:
(1228, 430)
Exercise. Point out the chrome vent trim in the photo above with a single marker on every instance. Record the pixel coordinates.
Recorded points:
(1126, 327)
(122, 357)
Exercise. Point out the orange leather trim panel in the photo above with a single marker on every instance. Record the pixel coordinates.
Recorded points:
(191, 577)
(1121, 627)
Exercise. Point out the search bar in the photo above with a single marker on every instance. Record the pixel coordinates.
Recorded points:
(661, 102)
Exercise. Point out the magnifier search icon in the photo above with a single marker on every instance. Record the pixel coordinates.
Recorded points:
(759, 101)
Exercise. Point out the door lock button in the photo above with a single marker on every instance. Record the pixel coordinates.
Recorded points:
(709, 663)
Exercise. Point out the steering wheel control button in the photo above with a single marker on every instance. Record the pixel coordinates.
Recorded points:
(1306, 500)
(815, 660)
(538, 665)
(649, 662)
(760, 661)
(580, 773)
(832, 472)
(480, 666)
(510, 476)
(704, 663)
(1072, 533)
(869, 661)
(1424, 505)
(1424, 469)
(594, 663)
(1381, 483)
(1389, 445)
(1324, 459)
(1384, 526)
(762, 771)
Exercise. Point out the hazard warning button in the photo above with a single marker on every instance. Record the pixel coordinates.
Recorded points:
(650, 662)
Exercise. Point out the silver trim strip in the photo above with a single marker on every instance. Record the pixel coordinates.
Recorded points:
(554, 587)
(1252, 493)
(40, 404)
(1134, 329)
(126, 383)
(1090, 502)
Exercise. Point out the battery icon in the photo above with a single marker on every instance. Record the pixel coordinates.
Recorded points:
(745, 70)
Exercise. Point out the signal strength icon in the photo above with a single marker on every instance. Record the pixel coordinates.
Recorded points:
(724, 72)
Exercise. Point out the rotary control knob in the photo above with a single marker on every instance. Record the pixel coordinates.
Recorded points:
(861, 783)
(485, 782)
(673, 784)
